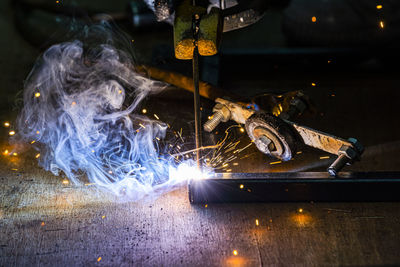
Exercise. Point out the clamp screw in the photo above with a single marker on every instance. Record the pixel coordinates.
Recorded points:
(338, 164)
(210, 125)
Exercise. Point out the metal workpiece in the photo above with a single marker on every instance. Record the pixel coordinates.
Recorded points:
(295, 187)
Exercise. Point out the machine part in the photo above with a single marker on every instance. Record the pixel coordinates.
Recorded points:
(295, 187)
(162, 9)
(221, 114)
(272, 135)
(241, 20)
(297, 105)
(320, 140)
(209, 32)
(346, 156)
(280, 138)
(225, 110)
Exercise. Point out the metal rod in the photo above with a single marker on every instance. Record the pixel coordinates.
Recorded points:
(296, 186)
(197, 117)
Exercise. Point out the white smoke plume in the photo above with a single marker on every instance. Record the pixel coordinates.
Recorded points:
(80, 103)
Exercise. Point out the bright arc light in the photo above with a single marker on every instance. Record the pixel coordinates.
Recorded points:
(188, 171)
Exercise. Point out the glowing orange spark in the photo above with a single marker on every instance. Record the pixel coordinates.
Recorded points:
(275, 162)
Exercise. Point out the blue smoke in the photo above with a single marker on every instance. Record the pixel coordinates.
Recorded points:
(80, 103)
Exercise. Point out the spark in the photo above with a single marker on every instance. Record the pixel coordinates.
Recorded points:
(144, 111)
(314, 19)
(120, 92)
(206, 206)
(155, 116)
(241, 129)
(37, 132)
(381, 24)
(37, 155)
(73, 103)
(6, 124)
(324, 157)
(33, 142)
(299, 152)
(235, 252)
(5, 153)
(241, 186)
(329, 61)
(379, 7)
(103, 217)
(65, 181)
(98, 259)
(37, 94)
(15, 154)
(257, 222)
(301, 210)
(43, 224)
(14, 169)
(235, 164)
(11, 132)
(275, 162)
(141, 125)
(313, 84)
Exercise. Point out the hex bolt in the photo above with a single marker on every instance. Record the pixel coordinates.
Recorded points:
(338, 164)
(210, 125)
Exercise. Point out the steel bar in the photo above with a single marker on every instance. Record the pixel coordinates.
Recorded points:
(296, 187)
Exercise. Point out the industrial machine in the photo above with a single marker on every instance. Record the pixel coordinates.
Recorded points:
(197, 31)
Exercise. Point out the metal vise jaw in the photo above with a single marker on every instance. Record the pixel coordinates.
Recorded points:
(209, 32)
